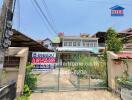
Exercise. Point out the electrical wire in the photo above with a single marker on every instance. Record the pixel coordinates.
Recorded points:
(40, 16)
(48, 13)
(36, 3)
(19, 14)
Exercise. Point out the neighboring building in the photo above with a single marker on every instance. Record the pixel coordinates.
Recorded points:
(126, 35)
(127, 38)
(101, 40)
(39, 41)
(79, 43)
(50, 44)
(47, 43)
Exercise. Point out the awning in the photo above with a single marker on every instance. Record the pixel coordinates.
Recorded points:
(77, 49)
(20, 40)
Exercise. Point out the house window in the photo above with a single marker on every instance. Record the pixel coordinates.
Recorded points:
(46, 45)
(78, 43)
(85, 44)
(91, 44)
(12, 62)
(95, 44)
(70, 43)
(65, 43)
(74, 44)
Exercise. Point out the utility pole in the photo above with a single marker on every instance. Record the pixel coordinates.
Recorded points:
(5, 21)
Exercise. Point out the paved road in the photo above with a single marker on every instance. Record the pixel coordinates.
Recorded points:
(75, 95)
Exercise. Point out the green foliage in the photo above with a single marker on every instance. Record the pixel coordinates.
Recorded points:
(91, 65)
(102, 84)
(4, 75)
(23, 98)
(113, 42)
(26, 91)
(129, 41)
(30, 79)
(124, 81)
(30, 83)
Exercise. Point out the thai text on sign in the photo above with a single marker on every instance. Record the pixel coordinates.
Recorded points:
(43, 60)
(43, 57)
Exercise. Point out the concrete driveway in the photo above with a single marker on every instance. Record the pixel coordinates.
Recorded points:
(75, 95)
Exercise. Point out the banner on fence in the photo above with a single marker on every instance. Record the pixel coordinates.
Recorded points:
(43, 61)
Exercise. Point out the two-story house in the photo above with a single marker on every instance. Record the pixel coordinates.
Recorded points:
(82, 43)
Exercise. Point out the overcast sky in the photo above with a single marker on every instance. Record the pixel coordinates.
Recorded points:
(71, 17)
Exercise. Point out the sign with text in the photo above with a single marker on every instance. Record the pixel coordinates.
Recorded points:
(43, 61)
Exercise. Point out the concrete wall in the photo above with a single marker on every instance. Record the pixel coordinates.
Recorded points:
(17, 74)
(130, 68)
(9, 74)
(115, 70)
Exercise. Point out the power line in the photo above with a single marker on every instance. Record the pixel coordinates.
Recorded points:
(40, 15)
(18, 6)
(48, 13)
(45, 16)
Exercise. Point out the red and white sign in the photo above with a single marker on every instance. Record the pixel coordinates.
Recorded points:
(43, 61)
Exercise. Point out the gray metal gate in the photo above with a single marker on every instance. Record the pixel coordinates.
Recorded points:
(75, 71)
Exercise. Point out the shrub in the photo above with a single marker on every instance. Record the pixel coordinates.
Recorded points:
(30, 83)
(26, 91)
(30, 79)
(23, 98)
(124, 81)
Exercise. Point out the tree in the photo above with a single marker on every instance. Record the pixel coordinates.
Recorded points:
(114, 43)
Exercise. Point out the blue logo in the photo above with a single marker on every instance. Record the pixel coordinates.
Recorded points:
(117, 11)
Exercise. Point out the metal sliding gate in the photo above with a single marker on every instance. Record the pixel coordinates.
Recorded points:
(74, 71)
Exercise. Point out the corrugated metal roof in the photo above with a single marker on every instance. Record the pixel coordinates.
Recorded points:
(124, 55)
(20, 40)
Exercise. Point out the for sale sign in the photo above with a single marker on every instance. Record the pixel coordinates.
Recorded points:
(43, 61)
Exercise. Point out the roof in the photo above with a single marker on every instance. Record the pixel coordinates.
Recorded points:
(46, 39)
(124, 55)
(128, 45)
(78, 37)
(127, 31)
(39, 41)
(20, 40)
(117, 8)
(99, 34)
